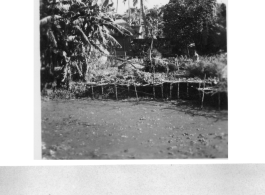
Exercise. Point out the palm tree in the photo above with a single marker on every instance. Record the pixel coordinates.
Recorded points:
(142, 13)
(129, 8)
(145, 24)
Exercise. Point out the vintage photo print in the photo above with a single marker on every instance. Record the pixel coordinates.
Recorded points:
(132, 79)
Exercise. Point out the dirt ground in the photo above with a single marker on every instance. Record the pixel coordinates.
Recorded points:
(97, 129)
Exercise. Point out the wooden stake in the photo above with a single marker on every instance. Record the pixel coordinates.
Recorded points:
(199, 90)
(219, 101)
(170, 92)
(128, 91)
(152, 66)
(203, 90)
(178, 88)
(154, 92)
(115, 86)
(92, 91)
(162, 91)
(177, 63)
(136, 92)
(102, 92)
(187, 89)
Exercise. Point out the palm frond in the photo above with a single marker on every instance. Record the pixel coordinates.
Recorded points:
(49, 19)
(65, 72)
(119, 28)
(135, 2)
(78, 21)
(51, 37)
(105, 3)
(80, 2)
(101, 35)
(82, 34)
(70, 38)
(112, 40)
(94, 2)
(99, 47)
(63, 7)
(78, 69)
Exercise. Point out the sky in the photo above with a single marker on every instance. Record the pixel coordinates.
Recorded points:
(149, 3)
(134, 179)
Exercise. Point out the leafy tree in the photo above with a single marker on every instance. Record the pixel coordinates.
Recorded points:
(221, 14)
(216, 39)
(155, 23)
(70, 30)
(185, 20)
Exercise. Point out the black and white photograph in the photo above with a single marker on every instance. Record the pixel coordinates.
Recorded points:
(131, 97)
(244, 179)
(129, 79)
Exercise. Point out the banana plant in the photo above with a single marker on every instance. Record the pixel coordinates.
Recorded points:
(71, 29)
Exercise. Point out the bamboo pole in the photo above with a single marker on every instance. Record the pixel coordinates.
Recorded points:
(153, 67)
(92, 91)
(177, 63)
(219, 101)
(162, 91)
(128, 86)
(199, 90)
(187, 89)
(136, 92)
(154, 92)
(178, 88)
(170, 91)
(203, 91)
(115, 86)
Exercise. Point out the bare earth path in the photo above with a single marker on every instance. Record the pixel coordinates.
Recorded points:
(86, 129)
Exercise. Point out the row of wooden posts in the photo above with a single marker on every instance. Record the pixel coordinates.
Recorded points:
(116, 94)
(201, 95)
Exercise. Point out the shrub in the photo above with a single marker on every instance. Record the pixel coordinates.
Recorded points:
(214, 67)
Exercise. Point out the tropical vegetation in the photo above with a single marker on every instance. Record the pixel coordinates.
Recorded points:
(76, 34)
(71, 31)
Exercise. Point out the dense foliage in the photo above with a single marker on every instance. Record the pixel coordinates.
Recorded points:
(75, 35)
(70, 30)
(214, 67)
(201, 22)
(155, 23)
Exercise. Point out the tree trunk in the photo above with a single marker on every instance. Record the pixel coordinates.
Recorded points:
(140, 15)
(129, 9)
(117, 6)
(51, 64)
(145, 25)
(150, 56)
